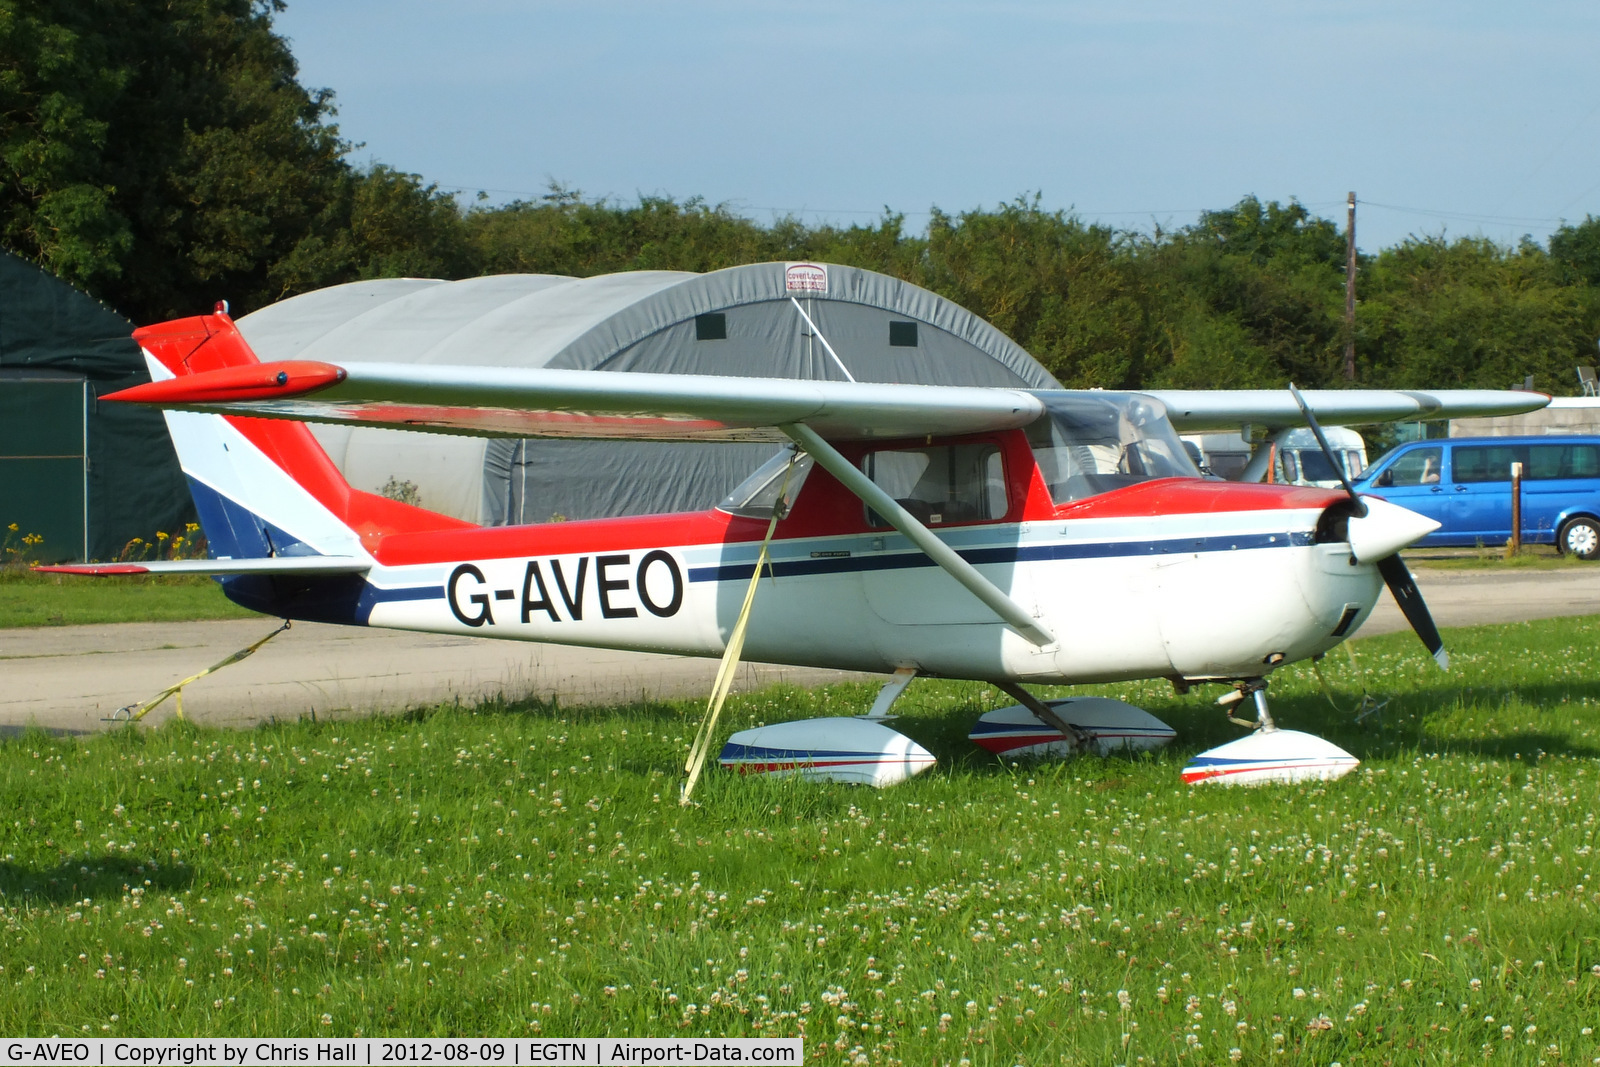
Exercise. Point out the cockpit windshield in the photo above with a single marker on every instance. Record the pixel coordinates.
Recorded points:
(1094, 442)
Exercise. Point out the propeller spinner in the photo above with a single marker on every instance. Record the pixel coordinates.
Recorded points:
(1378, 531)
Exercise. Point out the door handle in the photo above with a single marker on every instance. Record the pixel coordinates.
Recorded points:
(1435, 489)
(1461, 489)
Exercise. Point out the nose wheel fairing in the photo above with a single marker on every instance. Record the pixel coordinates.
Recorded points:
(1268, 755)
(1281, 756)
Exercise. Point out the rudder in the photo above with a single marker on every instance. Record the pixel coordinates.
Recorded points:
(264, 487)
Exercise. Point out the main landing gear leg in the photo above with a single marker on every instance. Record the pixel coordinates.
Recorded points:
(1255, 688)
(1045, 714)
(889, 694)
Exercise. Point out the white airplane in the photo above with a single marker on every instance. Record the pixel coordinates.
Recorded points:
(1004, 535)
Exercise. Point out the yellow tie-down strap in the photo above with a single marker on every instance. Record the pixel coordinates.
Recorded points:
(730, 656)
(135, 712)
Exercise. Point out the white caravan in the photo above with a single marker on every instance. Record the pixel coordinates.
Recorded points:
(1295, 456)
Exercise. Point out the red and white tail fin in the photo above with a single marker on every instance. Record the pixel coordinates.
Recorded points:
(264, 487)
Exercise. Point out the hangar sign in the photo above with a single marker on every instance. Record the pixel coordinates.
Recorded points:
(805, 278)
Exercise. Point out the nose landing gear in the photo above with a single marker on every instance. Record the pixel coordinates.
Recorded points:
(1257, 689)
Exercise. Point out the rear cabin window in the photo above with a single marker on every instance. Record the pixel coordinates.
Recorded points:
(941, 485)
(1549, 462)
(1486, 463)
(1541, 463)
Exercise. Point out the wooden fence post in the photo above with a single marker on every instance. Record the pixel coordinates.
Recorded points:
(1516, 508)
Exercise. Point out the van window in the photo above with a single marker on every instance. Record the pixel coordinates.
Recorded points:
(1418, 467)
(1485, 463)
(943, 484)
(1546, 462)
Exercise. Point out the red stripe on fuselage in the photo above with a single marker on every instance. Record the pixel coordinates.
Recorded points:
(822, 499)
(567, 538)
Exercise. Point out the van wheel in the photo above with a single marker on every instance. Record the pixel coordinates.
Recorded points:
(1581, 537)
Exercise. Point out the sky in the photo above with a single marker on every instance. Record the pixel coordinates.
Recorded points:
(1460, 118)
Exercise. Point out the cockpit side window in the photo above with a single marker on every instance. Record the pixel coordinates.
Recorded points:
(941, 485)
(1091, 443)
(755, 497)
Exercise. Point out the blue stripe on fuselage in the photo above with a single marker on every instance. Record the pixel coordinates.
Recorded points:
(233, 530)
(1006, 554)
(370, 596)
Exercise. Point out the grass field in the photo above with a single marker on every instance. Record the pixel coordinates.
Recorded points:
(59, 600)
(527, 870)
(1532, 557)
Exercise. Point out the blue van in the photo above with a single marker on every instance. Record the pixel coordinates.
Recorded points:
(1465, 483)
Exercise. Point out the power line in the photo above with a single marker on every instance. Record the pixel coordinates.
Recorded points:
(1458, 216)
(1462, 216)
(1572, 131)
(1581, 196)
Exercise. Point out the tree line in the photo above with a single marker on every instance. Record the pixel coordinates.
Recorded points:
(163, 156)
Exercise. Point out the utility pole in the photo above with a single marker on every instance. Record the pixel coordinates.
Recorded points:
(1350, 293)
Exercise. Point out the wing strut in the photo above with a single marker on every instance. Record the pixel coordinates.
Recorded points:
(858, 483)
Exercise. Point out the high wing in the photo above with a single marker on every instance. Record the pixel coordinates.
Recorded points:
(521, 402)
(221, 374)
(1193, 410)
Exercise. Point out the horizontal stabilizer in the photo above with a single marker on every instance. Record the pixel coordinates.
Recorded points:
(269, 566)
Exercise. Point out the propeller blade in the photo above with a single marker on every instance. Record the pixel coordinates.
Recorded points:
(1395, 573)
(1406, 594)
(1337, 464)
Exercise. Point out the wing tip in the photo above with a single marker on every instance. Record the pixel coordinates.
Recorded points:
(256, 381)
(93, 570)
